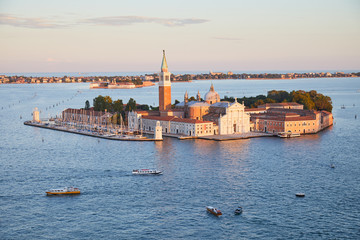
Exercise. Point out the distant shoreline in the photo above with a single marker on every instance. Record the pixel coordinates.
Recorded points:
(174, 81)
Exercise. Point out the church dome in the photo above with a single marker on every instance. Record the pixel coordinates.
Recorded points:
(212, 96)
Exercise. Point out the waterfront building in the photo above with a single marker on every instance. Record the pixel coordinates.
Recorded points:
(288, 105)
(177, 126)
(276, 120)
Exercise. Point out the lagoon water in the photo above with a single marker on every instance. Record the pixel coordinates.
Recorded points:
(262, 175)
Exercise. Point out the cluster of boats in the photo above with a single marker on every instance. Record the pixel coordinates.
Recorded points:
(217, 212)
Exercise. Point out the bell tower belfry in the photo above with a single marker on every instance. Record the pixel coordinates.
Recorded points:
(164, 86)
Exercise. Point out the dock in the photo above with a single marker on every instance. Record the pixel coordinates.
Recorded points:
(231, 137)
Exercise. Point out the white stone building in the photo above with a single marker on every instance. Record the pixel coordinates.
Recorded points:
(230, 118)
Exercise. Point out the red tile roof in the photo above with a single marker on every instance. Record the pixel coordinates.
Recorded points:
(158, 118)
(174, 119)
(188, 120)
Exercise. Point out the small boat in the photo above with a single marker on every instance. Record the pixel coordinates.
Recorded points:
(300, 194)
(214, 211)
(63, 191)
(239, 210)
(146, 172)
(332, 166)
(288, 134)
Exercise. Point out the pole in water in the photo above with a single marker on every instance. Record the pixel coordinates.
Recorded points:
(355, 116)
(42, 139)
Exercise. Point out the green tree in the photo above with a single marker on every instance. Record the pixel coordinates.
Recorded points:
(118, 106)
(137, 81)
(192, 99)
(108, 104)
(87, 105)
(303, 98)
(144, 107)
(323, 103)
(99, 103)
(131, 105)
(102, 103)
(278, 96)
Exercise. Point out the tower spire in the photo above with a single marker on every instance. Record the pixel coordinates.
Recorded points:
(164, 66)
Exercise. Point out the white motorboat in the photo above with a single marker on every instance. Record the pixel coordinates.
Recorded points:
(146, 172)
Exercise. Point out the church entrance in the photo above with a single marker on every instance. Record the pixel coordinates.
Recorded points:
(235, 128)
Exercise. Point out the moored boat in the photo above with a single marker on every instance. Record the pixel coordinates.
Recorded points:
(300, 194)
(239, 210)
(214, 211)
(146, 172)
(288, 134)
(63, 191)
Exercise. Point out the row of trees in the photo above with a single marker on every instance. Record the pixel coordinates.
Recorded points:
(311, 100)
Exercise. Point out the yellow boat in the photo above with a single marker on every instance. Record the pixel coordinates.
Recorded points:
(63, 191)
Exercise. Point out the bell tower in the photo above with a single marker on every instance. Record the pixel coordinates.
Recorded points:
(164, 87)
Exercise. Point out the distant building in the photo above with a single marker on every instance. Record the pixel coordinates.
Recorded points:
(215, 73)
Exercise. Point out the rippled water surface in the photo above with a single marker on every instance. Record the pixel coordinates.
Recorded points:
(262, 175)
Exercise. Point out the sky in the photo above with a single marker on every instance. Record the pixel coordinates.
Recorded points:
(197, 35)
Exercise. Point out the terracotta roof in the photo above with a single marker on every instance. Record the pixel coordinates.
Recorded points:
(188, 120)
(174, 119)
(282, 104)
(158, 118)
(254, 109)
(217, 115)
(283, 117)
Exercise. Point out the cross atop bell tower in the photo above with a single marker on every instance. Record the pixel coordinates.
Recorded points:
(164, 87)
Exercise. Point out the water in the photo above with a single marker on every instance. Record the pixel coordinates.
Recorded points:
(262, 175)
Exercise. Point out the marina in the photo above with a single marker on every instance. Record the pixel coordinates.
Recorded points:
(122, 137)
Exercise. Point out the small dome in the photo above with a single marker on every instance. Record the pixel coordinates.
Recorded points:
(212, 96)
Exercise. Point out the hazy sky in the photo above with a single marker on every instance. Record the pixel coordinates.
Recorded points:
(198, 35)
